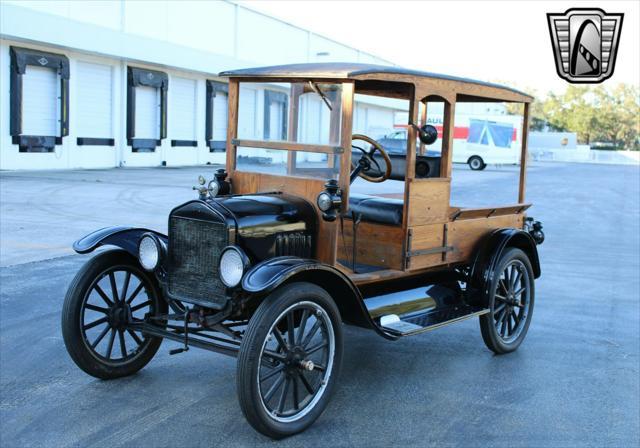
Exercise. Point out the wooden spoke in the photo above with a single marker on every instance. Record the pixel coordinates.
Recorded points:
(283, 395)
(519, 291)
(509, 325)
(274, 355)
(123, 345)
(319, 367)
(306, 384)
(296, 398)
(274, 387)
(273, 373)
(95, 323)
(317, 347)
(500, 298)
(290, 329)
(112, 336)
(100, 337)
(311, 333)
(135, 336)
(303, 323)
(516, 319)
(99, 309)
(282, 343)
(135, 292)
(114, 287)
(104, 296)
(504, 324)
(140, 306)
(497, 311)
(127, 278)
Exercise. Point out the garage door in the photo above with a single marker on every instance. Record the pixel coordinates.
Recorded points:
(182, 109)
(147, 112)
(40, 102)
(247, 114)
(220, 119)
(95, 100)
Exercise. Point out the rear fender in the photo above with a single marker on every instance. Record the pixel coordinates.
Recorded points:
(124, 237)
(489, 252)
(268, 275)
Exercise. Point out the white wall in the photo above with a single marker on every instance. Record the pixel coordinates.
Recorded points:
(186, 39)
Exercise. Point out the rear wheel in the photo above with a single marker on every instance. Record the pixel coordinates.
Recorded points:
(289, 360)
(108, 293)
(476, 163)
(510, 303)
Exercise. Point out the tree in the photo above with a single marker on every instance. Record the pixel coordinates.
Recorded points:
(601, 114)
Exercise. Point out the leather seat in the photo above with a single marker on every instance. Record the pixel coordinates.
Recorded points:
(377, 209)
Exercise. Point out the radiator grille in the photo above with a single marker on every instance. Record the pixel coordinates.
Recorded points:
(194, 253)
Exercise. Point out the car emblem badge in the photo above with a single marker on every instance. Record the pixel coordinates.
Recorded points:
(43, 61)
(585, 43)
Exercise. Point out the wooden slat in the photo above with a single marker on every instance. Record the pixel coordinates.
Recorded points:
(464, 235)
(345, 141)
(423, 121)
(486, 212)
(294, 105)
(287, 146)
(523, 154)
(429, 202)
(447, 139)
(423, 238)
(232, 126)
(377, 244)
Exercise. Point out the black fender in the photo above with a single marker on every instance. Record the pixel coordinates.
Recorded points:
(268, 275)
(124, 237)
(489, 251)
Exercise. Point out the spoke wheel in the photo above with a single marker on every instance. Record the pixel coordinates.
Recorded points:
(294, 366)
(109, 294)
(289, 359)
(510, 303)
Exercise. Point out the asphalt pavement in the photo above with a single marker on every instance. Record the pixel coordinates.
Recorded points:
(575, 381)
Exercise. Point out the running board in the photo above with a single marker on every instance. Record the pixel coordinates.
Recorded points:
(421, 322)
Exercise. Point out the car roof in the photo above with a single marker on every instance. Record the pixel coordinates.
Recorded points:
(355, 71)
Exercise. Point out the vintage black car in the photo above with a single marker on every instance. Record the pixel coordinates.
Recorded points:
(270, 259)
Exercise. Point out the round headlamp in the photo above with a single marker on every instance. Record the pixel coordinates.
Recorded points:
(232, 265)
(214, 188)
(324, 201)
(149, 251)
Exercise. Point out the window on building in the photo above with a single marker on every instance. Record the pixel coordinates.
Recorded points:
(95, 104)
(183, 112)
(39, 107)
(146, 109)
(217, 111)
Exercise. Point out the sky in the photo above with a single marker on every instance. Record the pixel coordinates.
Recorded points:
(505, 41)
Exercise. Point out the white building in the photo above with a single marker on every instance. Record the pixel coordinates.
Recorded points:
(116, 83)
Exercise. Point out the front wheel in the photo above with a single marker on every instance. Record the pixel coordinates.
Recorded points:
(289, 360)
(511, 301)
(108, 293)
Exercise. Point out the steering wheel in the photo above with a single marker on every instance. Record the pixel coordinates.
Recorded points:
(367, 162)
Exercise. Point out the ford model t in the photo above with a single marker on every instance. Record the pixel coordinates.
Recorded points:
(277, 251)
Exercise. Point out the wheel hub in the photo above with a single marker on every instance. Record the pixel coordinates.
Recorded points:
(119, 315)
(296, 360)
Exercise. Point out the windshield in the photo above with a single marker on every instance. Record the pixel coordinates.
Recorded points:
(306, 112)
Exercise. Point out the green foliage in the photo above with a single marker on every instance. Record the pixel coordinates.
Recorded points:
(596, 114)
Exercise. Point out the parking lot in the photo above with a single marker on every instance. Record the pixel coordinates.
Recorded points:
(574, 382)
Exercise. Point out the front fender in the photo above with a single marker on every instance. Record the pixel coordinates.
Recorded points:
(266, 276)
(124, 237)
(490, 250)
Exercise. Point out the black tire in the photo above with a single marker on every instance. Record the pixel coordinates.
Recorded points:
(499, 334)
(283, 310)
(87, 294)
(476, 163)
(422, 169)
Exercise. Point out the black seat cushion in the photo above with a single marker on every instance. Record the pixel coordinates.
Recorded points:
(377, 209)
